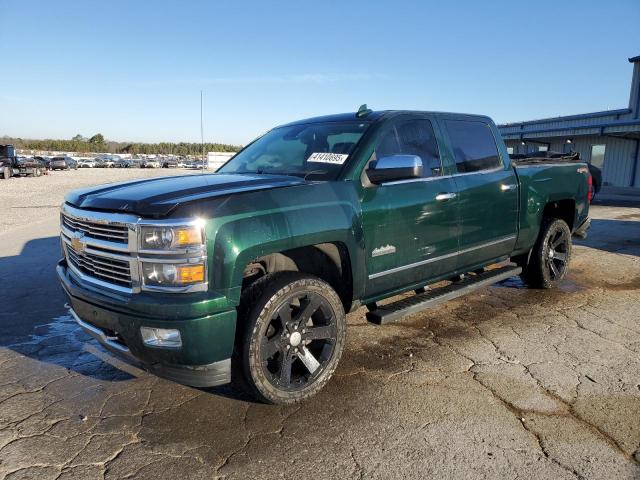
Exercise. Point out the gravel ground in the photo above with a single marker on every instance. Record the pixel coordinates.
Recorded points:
(31, 199)
(505, 383)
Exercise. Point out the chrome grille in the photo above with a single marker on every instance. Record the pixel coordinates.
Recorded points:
(102, 248)
(108, 232)
(104, 268)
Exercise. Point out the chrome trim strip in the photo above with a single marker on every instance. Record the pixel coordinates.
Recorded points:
(414, 180)
(98, 282)
(201, 258)
(441, 257)
(196, 287)
(100, 336)
(430, 179)
(120, 247)
(100, 253)
(542, 164)
(481, 172)
(121, 219)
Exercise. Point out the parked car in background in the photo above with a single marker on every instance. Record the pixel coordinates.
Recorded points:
(169, 163)
(150, 164)
(63, 163)
(123, 163)
(7, 160)
(45, 160)
(181, 163)
(13, 165)
(87, 163)
(29, 167)
(105, 163)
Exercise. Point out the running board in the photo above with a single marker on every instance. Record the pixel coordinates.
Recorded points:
(429, 299)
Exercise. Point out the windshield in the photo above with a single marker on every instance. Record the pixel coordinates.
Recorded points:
(312, 150)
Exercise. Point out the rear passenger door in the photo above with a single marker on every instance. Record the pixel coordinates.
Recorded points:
(411, 226)
(487, 193)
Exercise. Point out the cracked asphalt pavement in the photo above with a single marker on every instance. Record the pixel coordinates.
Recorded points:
(504, 383)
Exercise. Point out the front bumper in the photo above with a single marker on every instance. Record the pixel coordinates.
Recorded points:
(204, 360)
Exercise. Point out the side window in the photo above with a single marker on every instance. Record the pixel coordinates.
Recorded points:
(474, 147)
(388, 144)
(412, 137)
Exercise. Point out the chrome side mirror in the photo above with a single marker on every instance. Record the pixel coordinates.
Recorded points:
(395, 167)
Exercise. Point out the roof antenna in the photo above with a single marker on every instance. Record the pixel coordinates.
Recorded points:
(363, 111)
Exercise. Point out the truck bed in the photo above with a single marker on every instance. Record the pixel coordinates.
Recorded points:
(551, 180)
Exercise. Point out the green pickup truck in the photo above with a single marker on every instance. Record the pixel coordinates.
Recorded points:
(247, 273)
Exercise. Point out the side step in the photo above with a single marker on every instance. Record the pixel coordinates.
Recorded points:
(429, 299)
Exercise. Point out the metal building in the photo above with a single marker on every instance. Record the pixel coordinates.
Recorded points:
(609, 140)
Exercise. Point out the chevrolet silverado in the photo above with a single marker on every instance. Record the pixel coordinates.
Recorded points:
(246, 274)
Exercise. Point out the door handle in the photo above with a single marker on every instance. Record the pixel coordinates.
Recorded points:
(506, 188)
(443, 197)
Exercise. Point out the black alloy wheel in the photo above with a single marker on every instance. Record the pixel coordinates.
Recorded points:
(548, 263)
(557, 253)
(294, 337)
(299, 341)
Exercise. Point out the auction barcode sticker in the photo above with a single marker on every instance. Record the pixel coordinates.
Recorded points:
(333, 158)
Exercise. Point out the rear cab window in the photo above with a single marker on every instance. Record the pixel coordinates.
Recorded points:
(412, 137)
(473, 145)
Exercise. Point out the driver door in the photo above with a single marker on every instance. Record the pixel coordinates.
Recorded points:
(410, 226)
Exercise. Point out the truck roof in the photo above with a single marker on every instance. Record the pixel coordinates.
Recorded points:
(378, 115)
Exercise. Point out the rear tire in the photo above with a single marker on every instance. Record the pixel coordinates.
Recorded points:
(291, 336)
(549, 260)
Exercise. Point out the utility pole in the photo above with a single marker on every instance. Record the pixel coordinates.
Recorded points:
(201, 131)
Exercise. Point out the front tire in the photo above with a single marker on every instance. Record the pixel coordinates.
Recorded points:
(292, 336)
(549, 260)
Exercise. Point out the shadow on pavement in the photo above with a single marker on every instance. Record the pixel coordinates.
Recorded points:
(34, 320)
(617, 236)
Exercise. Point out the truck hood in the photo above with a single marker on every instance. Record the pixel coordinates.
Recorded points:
(159, 196)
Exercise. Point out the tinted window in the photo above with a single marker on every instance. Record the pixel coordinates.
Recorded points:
(412, 137)
(474, 147)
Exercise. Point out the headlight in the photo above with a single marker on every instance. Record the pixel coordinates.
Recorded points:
(170, 238)
(172, 274)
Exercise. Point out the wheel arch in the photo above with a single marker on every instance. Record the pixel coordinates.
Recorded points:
(564, 209)
(329, 261)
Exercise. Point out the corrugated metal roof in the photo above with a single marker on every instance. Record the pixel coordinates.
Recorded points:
(620, 126)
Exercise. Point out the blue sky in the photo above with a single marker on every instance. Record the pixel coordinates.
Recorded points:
(134, 70)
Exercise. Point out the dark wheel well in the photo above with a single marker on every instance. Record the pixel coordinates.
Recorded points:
(328, 261)
(562, 209)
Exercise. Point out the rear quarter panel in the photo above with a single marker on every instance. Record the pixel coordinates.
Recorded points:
(542, 184)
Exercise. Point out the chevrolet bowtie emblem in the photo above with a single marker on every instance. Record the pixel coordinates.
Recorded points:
(77, 242)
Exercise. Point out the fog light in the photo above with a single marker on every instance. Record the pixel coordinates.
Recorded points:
(161, 337)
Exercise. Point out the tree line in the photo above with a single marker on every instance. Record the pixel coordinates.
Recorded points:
(98, 144)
